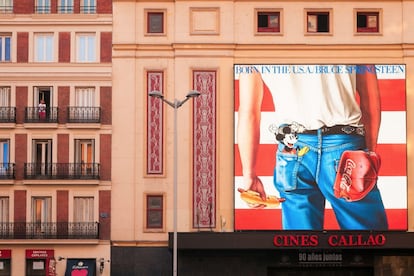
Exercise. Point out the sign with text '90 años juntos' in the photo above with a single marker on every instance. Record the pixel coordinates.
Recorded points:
(320, 147)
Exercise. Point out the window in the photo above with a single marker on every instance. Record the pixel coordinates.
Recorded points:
(7, 113)
(86, 47)
(6, 6)
(4, 157)
(41, 215)
(42, 157)
(268, 22)
(5, 227)
(83, 209)
(85, 96)
(65, 6)
(42, 6)
(42, 105)
(88, 6)
(155, 208)
(367, 22)
(84, 110)
(83, 215)
(5, 47)
(318, 22)
(44, 48)
(84, 157)
(155, 22)
(4, 209)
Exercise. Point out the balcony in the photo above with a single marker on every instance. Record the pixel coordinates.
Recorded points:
(88, 9)
(42, 9)
(6, 8)
(65, 9)
(7, 114)
(32, 115)
(49, 230)
(84, 114)
(84, 171)
(7, 171)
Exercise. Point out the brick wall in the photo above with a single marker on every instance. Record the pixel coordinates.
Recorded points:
(22, 47)
(64, 47)
(105, 156)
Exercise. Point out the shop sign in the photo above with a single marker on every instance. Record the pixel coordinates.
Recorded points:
(5, 254)
(330, 240)
(39, 254)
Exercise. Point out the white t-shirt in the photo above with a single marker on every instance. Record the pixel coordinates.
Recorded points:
(313, 95)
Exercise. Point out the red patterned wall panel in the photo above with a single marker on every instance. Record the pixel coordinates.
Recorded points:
(155, 129)
(204, 158)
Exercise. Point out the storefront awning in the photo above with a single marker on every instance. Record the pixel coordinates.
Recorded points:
(80, 267)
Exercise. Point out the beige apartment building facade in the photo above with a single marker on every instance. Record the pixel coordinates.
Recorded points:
(55, 131)
(177, 46)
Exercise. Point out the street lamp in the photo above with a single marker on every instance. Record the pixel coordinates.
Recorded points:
(176, 104)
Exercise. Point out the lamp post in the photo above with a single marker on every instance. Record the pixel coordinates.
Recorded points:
(175, 104)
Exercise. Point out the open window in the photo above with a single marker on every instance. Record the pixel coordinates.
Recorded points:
(268, 21)
(318, 22)
(367, 21)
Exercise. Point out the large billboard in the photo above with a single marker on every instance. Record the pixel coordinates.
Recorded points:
(320, 147)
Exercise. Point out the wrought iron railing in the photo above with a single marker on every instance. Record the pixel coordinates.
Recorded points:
(35, 115)
(7, 171)
(61, 170)
(49, 230)
(6, 8)
(43, 9)
(7, 114)
(88, 9)
(84, 114)
(65, 9)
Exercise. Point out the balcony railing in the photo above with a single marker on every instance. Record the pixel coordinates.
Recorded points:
(88, 9)
(42, 9)
(6, 9)
(65, 9)
(7, 171)
(84, 114)
(33, 115)
(61, 171)
(7, 114)
(49, 230)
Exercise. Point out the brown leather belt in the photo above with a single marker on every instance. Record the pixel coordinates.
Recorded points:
(337, 129)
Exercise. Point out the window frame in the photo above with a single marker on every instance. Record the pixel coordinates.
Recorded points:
(86, 50)
(44, 47)
(368, 30)
(157, 210)
(88, 6)
(147, 17)
(66, 6)
(318, 12)
(5, 47)
(268, 30)
(6, 6)
(43, 6)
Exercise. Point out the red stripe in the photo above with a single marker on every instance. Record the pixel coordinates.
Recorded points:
(393, 160)
(270, 219)
(392, 94)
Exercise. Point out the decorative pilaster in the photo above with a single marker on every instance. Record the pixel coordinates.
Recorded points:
(155, 128)
(204, 157)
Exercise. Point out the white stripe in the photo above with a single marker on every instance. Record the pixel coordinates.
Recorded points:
(392, 129)
(393, 191)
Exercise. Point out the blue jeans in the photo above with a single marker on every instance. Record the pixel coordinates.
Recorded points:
(307, 181)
